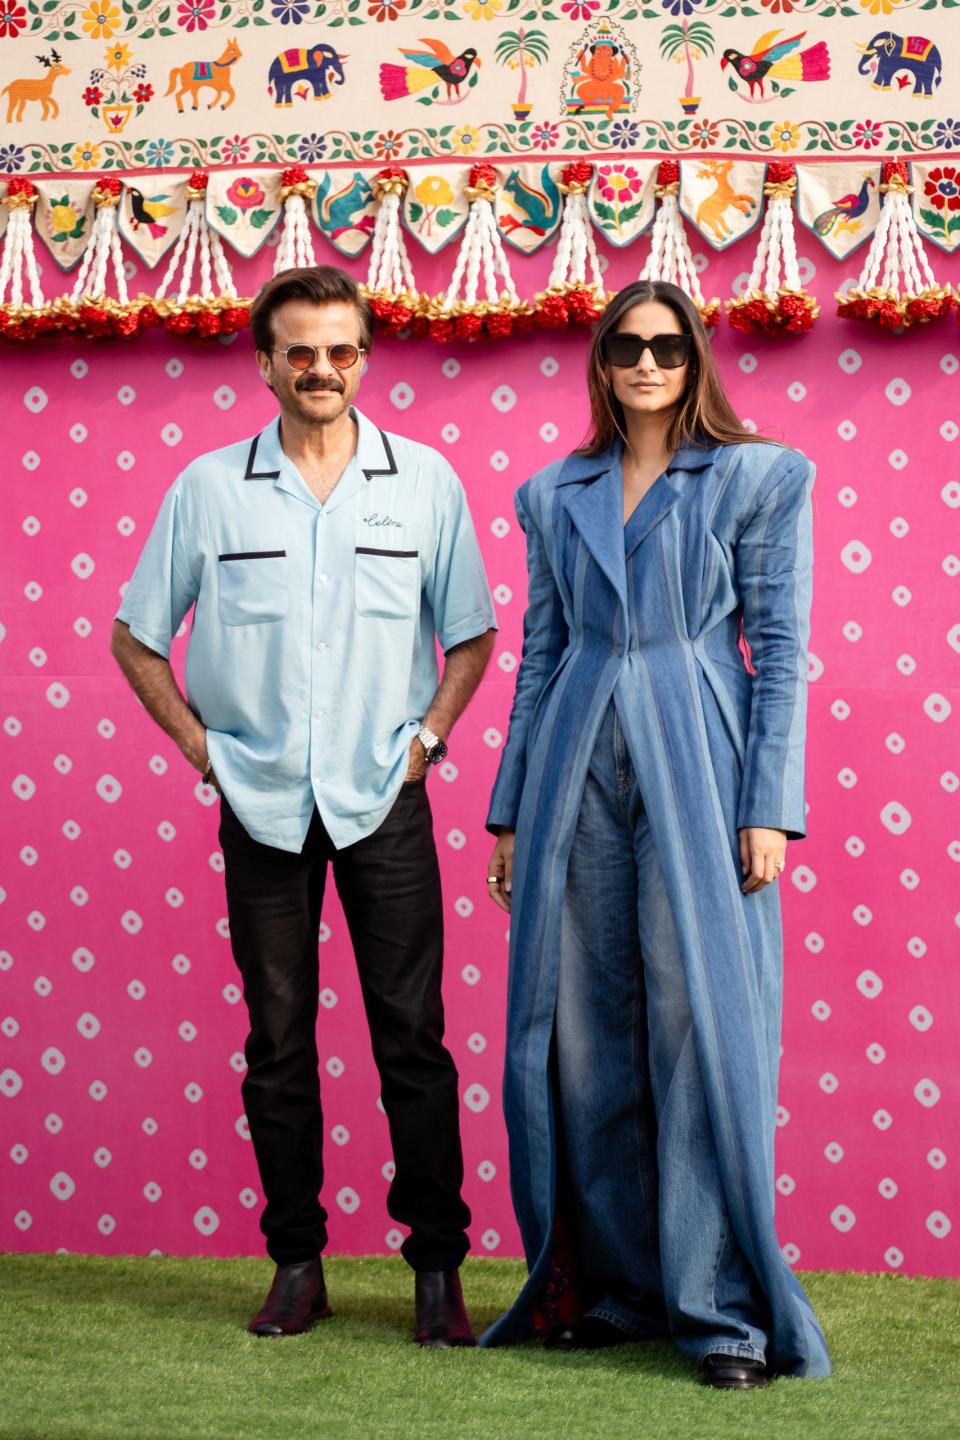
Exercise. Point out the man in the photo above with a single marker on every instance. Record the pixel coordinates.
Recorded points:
(325, 558)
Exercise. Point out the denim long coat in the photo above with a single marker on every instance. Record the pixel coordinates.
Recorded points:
(722, 538)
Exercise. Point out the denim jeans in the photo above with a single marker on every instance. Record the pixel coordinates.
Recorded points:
(656, 1250)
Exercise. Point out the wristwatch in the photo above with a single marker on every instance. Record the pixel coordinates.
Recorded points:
(435, 747)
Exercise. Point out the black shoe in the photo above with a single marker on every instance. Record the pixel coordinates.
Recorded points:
(297, 1297)
(734, 1372)
(441, 1316)
(587, 1333)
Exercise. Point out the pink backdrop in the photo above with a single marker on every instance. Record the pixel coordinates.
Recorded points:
(122, 1025)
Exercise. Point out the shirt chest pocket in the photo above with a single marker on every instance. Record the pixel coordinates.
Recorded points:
(253, 586)
(387, 583)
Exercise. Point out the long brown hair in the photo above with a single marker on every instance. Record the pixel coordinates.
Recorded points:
(703, 415)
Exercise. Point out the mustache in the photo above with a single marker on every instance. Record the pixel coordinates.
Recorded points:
(313, 383)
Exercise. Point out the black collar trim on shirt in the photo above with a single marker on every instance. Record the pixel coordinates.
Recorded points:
(252, 474)
(392, 464)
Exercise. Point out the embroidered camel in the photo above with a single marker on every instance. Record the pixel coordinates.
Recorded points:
(39, 88)
(710, 211)
(192, 77)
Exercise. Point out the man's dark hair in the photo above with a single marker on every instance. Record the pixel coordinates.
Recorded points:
(321, 284)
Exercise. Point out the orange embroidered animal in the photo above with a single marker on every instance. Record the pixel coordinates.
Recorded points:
(710, 212)
(38, 88)
(189, 79)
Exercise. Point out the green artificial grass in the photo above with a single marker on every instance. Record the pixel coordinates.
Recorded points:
(155, 1349)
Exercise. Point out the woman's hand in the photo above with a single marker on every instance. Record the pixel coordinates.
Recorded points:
(762, 857)
(500, 869)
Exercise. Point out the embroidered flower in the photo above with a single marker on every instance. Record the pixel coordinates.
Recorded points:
(101, 21)
(545, 136)
(13, 18)
(86, 156)
(867, 134)
(388, 145)
(625, 135)
(618, 182)
(92, 95)
(785, 136)
(245, 193)
(482, 9)
(434, 190)
(312, 148)
(880, 7)
(195, 14)
(381, 10)
(143, 93)
(234, 149)
(580, 9)
(289, 12)
(947, 134)
(942, 189)
(778, 7)
(11, 158)
(159, 153)
(465, 139)
(680, 7)
(117, 56)
(703, 134)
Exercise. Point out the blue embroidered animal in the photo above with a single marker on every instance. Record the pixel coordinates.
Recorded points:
(321, 66)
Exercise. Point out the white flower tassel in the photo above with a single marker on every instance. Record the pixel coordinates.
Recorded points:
(296, 242)
(906, 293)
(18, 320)
(670, 257)
(391, 288)
(213, 309)
(481, 265)
(574, 293)
(775, 300)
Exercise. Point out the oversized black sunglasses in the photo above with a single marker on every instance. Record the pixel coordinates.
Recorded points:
(342, 356)
(624, 349)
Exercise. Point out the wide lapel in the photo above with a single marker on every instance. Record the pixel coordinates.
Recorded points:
(666, 491)
(593, 496)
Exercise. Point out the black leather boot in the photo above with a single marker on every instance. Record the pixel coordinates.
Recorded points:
(441, 1316)
(297, 1297)
(733, 1372)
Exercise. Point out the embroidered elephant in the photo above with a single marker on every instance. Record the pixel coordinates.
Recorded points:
(902, 52)
(319, 66)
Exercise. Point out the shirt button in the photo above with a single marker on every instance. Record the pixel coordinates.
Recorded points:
(319, 713)
(321, 645)
(322, 579)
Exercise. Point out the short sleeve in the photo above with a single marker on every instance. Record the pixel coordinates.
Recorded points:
(455, 581)
(166, 581)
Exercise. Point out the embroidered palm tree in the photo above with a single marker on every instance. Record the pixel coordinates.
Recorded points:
(522, 50)
(687, 42)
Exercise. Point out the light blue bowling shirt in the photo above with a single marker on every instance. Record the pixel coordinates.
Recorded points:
(312, 656)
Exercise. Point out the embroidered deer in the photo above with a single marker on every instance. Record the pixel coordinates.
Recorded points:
(36, 88)
(710, 212)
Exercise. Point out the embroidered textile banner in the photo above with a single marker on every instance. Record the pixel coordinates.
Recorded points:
(147, 84)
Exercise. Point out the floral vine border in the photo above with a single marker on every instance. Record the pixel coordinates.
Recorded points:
(503, 141)
(52, 20)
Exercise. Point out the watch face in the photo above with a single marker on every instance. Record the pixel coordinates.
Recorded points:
(437, 753)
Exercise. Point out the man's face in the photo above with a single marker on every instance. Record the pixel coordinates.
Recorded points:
(323, 393)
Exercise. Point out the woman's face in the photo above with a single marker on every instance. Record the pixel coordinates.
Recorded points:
(646, 388)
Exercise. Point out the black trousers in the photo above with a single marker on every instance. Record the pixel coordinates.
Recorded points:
(389, 885)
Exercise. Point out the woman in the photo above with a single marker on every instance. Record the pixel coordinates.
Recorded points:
(647, 790)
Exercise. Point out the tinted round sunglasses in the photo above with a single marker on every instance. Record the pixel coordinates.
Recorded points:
(342, 356)
(623, 349)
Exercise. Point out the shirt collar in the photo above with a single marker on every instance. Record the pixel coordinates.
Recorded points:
(267, 461)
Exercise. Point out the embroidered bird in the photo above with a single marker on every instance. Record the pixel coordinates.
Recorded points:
(772, 59)
(427, 68)
(150, 212)
(848, 208)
